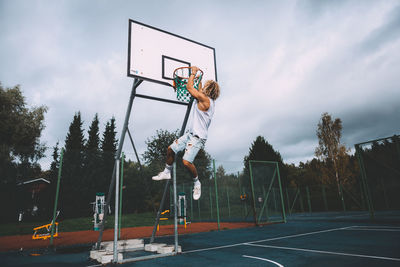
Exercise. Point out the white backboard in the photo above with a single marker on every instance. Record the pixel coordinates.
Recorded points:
(154, 54)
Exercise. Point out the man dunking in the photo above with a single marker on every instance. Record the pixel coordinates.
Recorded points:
(195, 138)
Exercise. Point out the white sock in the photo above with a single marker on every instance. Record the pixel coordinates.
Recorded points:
(168, 168)
(196, 180)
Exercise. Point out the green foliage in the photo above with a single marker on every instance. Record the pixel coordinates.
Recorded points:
(55, 163)
(330, 150)
(20, 147)
(136, 195)
(155, 156)
(329, 133)
(108, 150)
(93, 143)
(381, 160)
(109, 142)
(308, 173)
(87, 166)
(72, 178)
(157, 145)
(261, 150)
(92, 161)
(20, 130)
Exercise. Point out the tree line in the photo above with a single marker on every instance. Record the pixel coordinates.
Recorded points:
(88, 163)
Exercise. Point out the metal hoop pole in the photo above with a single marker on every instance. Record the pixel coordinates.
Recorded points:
(115, 254)
(136, 83)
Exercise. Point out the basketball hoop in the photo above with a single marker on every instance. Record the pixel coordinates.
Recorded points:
(181, 78)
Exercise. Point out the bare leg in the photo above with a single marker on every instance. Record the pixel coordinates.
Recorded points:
(197, 184)
(191, 168)
(170, 156)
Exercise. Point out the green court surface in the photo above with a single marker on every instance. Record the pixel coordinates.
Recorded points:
(317, 239)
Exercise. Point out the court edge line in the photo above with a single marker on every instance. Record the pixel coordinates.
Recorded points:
(263, 259)
(264, 240)
(325, 252)
(371, 229)
(304, 234)
(213, 248)
(374, 227)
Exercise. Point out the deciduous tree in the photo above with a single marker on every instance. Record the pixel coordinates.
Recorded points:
(330, 150)
(20, 131)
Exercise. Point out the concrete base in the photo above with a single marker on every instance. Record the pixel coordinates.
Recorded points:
(107, 258)
(96, 254)
(168, 249)
(153, 247)
(104, 256)
(123, 245)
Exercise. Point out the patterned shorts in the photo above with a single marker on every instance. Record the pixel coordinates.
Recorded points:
(192, 144)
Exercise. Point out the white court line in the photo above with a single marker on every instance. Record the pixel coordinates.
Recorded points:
(326, 252)
(374, 227)
(262, 259)
(310, 233)
(371, 229)
(212, 248)
(264, 240)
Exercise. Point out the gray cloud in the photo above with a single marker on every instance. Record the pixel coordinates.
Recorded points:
(384, 34)
(280, 66)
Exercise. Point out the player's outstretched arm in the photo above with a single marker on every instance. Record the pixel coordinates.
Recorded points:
(204, 102)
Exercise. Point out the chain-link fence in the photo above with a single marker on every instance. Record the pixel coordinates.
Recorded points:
(232, 191)
(379, 162)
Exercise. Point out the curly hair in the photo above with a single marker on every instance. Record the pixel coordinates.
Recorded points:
(211, 89)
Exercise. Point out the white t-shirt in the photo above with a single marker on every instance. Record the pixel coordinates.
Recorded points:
(201, 120)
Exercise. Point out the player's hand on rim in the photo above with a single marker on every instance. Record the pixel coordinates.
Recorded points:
(195, 70)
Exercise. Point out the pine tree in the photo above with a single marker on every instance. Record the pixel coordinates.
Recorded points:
(72, 179)
(93, 142)
(263, 151)
(92, 160)
(108, 149)
(109, 142)
(54, 164)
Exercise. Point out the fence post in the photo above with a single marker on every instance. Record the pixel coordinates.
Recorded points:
(191, 206)
(216, 193)
(120, 196)
(229, 207)
(342, 197)
(301, 201)
(56, 199)
(308, 199)
(324, 197)
(211, 211)
(288, 201)
(245, 203)
(198, 208)
(364, 181)
(364, 206)
(280, 190)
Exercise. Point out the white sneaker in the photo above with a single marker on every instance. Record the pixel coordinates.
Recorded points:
(197, 191)
(162, 176)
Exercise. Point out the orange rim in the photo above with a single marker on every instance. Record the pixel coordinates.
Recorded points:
(182, 77)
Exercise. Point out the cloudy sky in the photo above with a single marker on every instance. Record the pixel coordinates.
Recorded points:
(280, 64)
